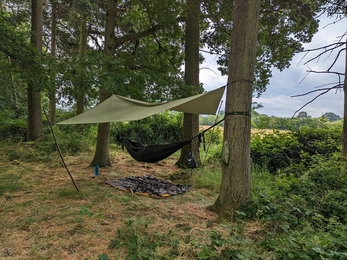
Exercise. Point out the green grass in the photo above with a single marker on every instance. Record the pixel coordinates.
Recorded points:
(288, 217)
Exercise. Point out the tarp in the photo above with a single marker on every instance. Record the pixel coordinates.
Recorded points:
(118, 108)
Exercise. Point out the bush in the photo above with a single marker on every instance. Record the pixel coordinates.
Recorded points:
(158, 129)
(305, 216)
(13, 129)
(275, 150)
(323, 140)
(295, 149)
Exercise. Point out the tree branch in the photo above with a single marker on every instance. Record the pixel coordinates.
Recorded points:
(326, 90)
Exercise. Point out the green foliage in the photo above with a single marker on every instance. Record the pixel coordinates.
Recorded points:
(306, 215)
(159, 129)
(213, 154)
(207, 178)
(213, 136)
(295, 149)
(283, 27)
(12, 129)
(275, 150)
(323, 140)
(139, 243)
(70, 140)
(262, 121)
(232, 246)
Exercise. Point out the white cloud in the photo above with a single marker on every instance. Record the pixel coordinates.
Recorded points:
(277, 99)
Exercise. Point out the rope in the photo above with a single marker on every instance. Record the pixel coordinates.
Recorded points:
(235, 113)
(238, 113)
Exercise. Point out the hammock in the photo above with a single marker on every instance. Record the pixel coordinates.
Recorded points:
(156, 153)
(151, 153)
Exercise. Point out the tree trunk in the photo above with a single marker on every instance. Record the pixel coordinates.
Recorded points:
(52, 99)
(81, 87)
(191, 78)
(236, 180)
(344, 135)
(35, 125)
(102, 156)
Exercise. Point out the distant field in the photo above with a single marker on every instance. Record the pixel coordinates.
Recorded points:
(253, 130)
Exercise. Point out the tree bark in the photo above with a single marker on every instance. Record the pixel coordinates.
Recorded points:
(344, 134)
(52, 99)
(236, 180)
(35, 125)
(102, 156)
(191, 78)
(81, 88)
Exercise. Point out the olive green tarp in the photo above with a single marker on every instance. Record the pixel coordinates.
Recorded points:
(118, 108)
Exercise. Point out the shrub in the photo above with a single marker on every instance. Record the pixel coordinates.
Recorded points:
(305, 216)
(13, 129)
(275, 150)
(295, 149)
(158, 129)
(323, 140)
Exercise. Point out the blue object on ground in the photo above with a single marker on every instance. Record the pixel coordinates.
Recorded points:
(96, 170)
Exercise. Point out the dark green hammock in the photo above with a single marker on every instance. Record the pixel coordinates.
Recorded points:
(156, 153)
(151, 153)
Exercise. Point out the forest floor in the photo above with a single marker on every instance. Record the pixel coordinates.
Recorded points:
(42, 216)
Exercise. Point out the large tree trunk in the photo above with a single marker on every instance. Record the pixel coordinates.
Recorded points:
(236, 180)
(344, 135)
(102, 156)
(81, 87)
(191, 77)
(52, 99)
(35, 125)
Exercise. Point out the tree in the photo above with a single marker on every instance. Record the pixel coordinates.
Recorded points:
(35, 125)
(331, 117)
(236, 180)
(191, 78)
(101, 156)
(52, 92)
(302, 115)
(18, 61)
(142, 59)
(344, 129)
(283, 28)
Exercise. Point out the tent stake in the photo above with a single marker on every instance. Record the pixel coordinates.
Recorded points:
(58, 149)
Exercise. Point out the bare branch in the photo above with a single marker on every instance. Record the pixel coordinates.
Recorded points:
(309, 102)
(336, 58)
(326, 90)
(337, 44)
(96, 42)
(210, 52)
(327, 72)
(334, 22)
(325, 48)
(337, 86)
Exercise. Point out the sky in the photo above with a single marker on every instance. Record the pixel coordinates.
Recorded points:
(278, 100)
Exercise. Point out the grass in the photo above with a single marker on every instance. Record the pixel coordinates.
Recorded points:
(44, 217)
